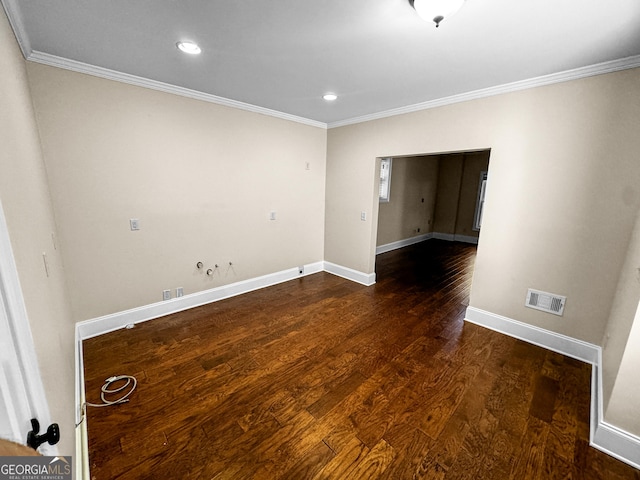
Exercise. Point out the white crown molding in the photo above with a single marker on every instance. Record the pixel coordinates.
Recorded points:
(602, 435)
(80, 67)
(15, 20)
(575, 74)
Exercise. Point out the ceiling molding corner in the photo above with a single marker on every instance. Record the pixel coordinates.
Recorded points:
(575, 74)
(80, 67)
(17, 25)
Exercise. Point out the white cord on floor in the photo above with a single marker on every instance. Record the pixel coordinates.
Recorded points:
(131, 383)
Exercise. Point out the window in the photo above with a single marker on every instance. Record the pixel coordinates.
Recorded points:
(482, 188)
(385, 179)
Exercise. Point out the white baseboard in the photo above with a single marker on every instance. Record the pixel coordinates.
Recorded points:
(450, 237)
(465, 239)
(556, 342)
(115, 321)
(366, 279)
(603, 436)
(402, 243)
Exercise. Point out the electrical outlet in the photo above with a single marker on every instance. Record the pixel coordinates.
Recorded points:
(363, 216)
(134, 223)
(179, 292)
(166, 295)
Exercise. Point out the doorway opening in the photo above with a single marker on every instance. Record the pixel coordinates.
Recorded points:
(432, 196)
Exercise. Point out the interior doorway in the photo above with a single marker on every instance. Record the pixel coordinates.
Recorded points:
(428, 196)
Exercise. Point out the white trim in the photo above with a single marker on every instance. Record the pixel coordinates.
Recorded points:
(451, 237)
(23, 340)
(606, 437)
(465, 239)
(556, 342)
(108, 323)
(603, 436)
(80, 67)
(402, 243)
(13, 14)
(568, 75)
(15, 20)
(115, 321)
(82, 443)
(366, 279)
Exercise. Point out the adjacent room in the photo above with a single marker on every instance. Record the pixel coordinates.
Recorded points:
(371, 239)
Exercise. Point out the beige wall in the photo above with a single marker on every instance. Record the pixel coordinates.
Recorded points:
(457, 194)
(561, 206)
(448, 192)
(25, 199)
(412, 199)
(201, 178)
(621, 355)
(561, 200)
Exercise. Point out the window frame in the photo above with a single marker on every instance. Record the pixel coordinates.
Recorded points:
(384, 189)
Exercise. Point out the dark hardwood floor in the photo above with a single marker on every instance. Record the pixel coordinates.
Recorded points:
(322, 378)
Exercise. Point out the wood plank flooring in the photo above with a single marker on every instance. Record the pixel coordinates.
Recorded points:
(322, 378)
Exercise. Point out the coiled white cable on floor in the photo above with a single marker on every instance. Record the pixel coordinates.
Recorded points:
(127, 387)
(107, 390)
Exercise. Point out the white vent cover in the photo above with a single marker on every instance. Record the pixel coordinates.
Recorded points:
(547, 302)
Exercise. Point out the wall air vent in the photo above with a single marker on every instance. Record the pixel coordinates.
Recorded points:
(547, 302)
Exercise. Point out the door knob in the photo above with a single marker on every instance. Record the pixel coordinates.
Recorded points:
(51, 437)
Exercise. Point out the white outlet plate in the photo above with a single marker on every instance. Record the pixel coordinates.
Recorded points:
(134, 223)
(166, 295)
(179, 292)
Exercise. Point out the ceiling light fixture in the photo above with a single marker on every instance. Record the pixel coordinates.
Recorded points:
(330, 97)
(436, 10)
(189, 47)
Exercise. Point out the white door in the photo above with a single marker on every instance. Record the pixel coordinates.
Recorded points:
(21, 391)
(15, 413)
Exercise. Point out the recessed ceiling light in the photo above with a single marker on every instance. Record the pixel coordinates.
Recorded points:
(329, 97)
(189, 47)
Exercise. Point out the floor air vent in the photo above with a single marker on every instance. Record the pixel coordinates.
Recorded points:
(547, 302)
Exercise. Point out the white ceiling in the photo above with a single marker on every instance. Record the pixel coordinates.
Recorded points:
(283, 55)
